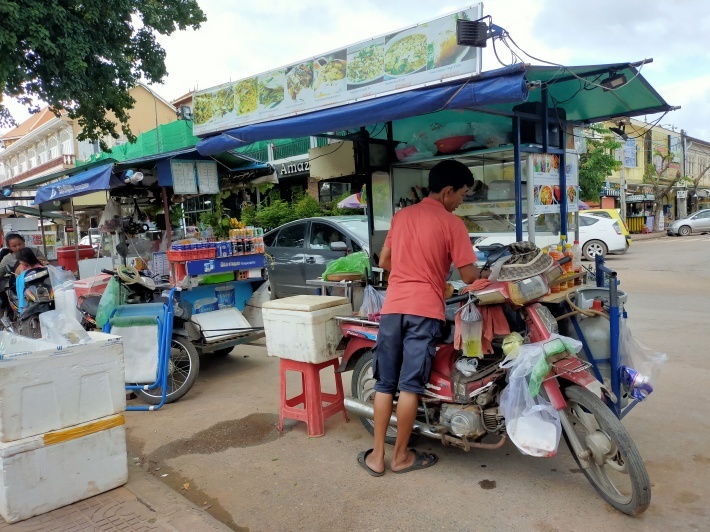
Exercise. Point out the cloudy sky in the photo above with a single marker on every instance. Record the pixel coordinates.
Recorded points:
(245, 37)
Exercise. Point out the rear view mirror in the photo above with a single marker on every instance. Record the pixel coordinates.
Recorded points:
(338, 246)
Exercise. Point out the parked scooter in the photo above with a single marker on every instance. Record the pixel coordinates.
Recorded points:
(184, 362)
(463, 410)
(39, 298)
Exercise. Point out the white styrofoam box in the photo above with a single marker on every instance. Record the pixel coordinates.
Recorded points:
(304, 328)
(54, 388)
(44, 472)
(219, 324)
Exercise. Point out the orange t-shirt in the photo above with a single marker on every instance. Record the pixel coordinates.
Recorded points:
(424, 239)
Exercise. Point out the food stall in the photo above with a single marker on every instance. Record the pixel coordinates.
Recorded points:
(216, 269)
(389, 120)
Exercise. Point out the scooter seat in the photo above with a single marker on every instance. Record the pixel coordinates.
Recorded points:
(90, 304)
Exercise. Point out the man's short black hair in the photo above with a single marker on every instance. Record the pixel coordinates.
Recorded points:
(449, 173)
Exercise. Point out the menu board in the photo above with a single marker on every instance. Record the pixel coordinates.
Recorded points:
(546, 183)
(183, 176)
(399, 61)
(207, 179)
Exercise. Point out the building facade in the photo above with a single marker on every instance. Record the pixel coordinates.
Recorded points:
(44, 143)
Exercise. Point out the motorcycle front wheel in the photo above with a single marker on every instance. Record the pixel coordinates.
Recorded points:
(183, 367)
(616, 469)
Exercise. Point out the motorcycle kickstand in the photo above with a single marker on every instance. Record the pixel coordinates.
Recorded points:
(582, 454)
(426, 417)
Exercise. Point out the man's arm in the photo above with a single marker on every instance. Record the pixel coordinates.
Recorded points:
(386, 259)
(471, 273)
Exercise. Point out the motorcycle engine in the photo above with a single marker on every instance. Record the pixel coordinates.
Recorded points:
(463, 420)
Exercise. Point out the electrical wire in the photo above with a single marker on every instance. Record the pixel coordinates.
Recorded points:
(329, 153)
(567, 69)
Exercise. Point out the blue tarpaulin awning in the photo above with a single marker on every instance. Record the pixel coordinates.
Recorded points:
(500, 86)
(92, 180)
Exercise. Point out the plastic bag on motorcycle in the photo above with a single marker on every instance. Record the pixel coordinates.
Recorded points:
(640, 365)
(532, 423)
(372, 301)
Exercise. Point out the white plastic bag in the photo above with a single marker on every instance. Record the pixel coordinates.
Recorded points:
(640, 358)
(110, 220)
(532, 423)
(60, 328)
(372, 301)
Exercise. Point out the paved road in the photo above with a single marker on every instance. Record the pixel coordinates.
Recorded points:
(220, 439)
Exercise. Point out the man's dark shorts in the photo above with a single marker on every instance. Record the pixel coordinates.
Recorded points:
(404, 352)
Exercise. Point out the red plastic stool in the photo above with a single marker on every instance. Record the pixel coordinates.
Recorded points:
(314, 412)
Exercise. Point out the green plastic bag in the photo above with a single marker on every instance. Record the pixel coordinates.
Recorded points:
(357, 263)
(111, 298)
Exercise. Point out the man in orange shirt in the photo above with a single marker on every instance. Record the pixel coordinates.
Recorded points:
(422, 242)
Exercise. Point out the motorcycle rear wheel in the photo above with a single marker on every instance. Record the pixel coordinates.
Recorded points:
(183, 367)
(617, 470)
(363, 388)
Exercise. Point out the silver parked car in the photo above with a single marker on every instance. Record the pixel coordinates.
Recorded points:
(300, 250)
(695, 223)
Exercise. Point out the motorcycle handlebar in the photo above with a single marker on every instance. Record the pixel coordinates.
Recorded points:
(456, 299)
(110, 272)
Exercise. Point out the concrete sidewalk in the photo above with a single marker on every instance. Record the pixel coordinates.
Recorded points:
(648, 236)
(144, 503)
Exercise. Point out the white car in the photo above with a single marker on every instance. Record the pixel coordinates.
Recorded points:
(597, 236)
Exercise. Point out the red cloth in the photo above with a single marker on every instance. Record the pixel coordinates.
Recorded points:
(494, 321)
(424, 239)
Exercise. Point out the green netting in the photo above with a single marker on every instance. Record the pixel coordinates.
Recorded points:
(168, 137)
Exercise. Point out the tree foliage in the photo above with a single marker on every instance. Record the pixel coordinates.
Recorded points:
(84, 56)
(661, 183)
(598, 163)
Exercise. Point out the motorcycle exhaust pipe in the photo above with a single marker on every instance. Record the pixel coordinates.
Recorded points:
(363, 409)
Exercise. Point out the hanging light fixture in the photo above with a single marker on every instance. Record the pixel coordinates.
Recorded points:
(614, 81)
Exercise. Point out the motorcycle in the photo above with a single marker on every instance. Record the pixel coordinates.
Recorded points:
(463, 411)
(39, 298)
(184, 362)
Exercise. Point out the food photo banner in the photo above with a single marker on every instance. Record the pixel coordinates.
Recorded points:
(546, 183)
(402, 60)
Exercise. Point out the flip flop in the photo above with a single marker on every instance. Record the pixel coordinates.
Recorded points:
(419, 459)
(361, 460)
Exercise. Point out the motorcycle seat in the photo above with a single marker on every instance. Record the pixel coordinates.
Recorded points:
(90, 304)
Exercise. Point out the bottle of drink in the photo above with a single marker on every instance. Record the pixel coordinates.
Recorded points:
(559, 254)
(547, 252)
(563, 241)
(569, 267)
(577, 261)
(556, 256)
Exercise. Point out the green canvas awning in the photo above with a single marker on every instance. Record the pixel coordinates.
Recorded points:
(578, 90)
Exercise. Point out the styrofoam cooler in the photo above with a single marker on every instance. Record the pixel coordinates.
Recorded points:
(51, 389)
(303, 328)
(44, 472)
